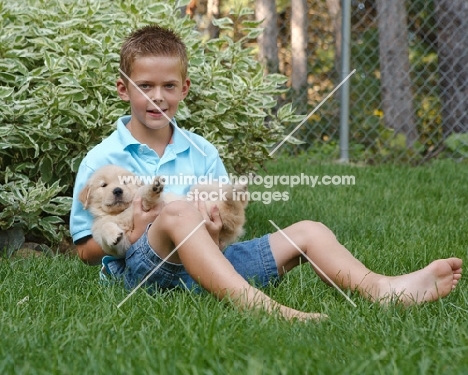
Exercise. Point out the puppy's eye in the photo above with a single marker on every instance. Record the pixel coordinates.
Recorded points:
(103, 184)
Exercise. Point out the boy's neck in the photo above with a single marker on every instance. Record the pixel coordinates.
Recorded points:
(156, 139)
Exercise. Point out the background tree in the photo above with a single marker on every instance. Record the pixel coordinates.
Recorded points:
(265, 10)
(334, 10)
(395, 69)
(452, 46)
(212, 11)
(299, 49)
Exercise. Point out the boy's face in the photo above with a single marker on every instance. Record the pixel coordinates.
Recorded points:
(160, 78)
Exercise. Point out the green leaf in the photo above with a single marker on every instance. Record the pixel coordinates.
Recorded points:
(45, 168)
(183, 3)
(230, 126)
(5, 92)
(251, 24)
(254, 33)
(158, 8)
(285, 111)
(246, 12)
(52, 220)
(223, 23)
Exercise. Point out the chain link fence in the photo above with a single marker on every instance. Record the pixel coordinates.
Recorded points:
(408, 97)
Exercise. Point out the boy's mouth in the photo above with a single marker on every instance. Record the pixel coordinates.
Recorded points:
(155, 111)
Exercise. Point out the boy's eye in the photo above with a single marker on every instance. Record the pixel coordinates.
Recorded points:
(170, 86)
(144, 86)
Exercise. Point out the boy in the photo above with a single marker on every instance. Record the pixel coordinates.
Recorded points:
(154, 62)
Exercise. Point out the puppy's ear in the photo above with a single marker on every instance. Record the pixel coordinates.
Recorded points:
(84, 196)
(241, 193)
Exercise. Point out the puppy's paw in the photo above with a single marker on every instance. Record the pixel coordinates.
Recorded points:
(158, 185)
(117, 238)
(150, 194)
(113, 235)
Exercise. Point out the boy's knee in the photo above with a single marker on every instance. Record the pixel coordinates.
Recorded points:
(314, 227)
(177, 213)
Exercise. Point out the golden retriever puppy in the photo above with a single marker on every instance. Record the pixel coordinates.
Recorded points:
(110, 191)
(108, 195)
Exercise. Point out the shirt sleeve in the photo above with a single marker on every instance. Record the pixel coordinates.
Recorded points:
(81, 220)
(215, 166)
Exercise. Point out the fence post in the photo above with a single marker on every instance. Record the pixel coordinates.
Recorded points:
(344, 91)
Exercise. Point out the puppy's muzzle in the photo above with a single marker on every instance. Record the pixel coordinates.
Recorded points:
(117, 192)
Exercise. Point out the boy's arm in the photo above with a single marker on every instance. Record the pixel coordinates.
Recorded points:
(91, 252)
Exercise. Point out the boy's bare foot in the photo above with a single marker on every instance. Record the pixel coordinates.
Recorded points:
(292, 314)
(428, 284)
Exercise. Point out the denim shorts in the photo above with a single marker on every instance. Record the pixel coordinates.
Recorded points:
(252, 259)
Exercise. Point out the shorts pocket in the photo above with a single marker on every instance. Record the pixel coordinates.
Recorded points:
(139, 267)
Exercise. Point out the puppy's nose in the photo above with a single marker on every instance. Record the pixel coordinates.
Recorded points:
(117, 191)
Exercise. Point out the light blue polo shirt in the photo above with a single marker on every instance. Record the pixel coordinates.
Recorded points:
(188, 155)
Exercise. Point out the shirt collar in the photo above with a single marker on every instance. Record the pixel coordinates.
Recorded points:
(179, 142)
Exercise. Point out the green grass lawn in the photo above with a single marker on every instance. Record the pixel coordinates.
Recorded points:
(56, 318)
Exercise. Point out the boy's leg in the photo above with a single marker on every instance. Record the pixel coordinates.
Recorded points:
(321, 246)
(204, 261)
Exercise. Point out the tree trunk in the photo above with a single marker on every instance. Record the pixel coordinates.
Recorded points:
(394, 69)
(334, 11)
(299, 44)
(212, 11)
(265, 10)
(452, 44)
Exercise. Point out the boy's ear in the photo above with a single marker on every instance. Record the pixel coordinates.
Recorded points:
(122, 90)
(185, 88)
(84, 196)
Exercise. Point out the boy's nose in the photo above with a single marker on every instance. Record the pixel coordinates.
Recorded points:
(157, 95)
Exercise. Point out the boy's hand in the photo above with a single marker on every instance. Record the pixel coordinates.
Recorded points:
(142, 218)
(212, 219)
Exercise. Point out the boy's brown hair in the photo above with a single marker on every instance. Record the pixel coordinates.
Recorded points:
(152, 40)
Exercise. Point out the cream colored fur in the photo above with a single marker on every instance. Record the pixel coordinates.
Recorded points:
(110, 203)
